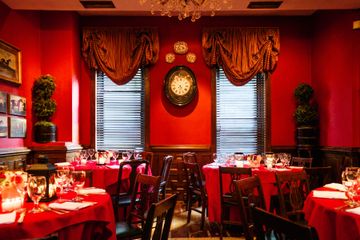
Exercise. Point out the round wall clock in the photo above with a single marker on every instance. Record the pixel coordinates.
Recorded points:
(180, 85)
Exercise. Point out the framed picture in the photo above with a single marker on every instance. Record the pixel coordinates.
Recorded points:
(3, 102)
(3, 126)
(10, 63)
(17, 105)
(17, 127)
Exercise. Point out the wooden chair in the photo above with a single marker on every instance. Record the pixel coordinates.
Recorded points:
(123, 199)
(293, 188)
(190, 157)
(318, 176)
(196, 192)
(265, 222)
(164, 174)
(228, 195)
(161, 212)
(301, 161)
(250, 193)
(145, 193)
(148, 156)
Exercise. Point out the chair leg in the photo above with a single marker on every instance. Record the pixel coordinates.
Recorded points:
(202, 216)
(188, 206)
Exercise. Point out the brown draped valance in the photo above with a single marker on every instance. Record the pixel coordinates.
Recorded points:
(242, 52)
(119, 52)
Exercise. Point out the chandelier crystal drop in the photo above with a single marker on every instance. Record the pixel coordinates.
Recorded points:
(187, 8)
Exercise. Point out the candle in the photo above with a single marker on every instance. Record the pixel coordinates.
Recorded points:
(10, 204)
(101, 160)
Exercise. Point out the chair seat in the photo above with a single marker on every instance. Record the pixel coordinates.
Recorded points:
(124, 230)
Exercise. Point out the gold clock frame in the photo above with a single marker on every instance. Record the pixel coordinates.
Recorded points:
(180, 100)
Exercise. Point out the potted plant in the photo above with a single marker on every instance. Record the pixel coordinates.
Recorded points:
(44, 108)
(306, 117)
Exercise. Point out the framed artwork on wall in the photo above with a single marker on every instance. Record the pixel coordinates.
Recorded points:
(3, 126)
(17, 127)
(10, 63)
(3, 102)
(17, 105)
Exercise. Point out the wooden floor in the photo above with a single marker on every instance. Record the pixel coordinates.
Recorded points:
(181, 230)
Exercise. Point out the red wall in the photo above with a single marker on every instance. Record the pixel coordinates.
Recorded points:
(336, 77)
(22, 30)
(170, 125)
(50, 44)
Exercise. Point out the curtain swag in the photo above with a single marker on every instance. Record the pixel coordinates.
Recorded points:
(119, 52)
(242, 52)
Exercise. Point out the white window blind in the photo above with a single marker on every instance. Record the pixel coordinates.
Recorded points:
(119, 113)
(240, 115)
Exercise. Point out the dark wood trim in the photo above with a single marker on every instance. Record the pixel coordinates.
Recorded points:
(146, 78)
(180, 148)
(92, 108)
(267, 112)
(213, 109)
(14, 158)
(56, 153)
(340, 149)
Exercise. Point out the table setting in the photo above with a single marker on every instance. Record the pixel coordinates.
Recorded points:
(334, 209)
(24, 211)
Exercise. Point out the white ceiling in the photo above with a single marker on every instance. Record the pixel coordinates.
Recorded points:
(133, 7)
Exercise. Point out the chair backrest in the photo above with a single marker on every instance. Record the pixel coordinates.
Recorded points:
(145, 193)
(190, 157)
(293, 188)
(134, 164)
(148, 156)
(232, 173)
(250, 193)
(165, 170)
(318, 176)
(194, 177)
(264, 222)
(162, 212)
(301, 161)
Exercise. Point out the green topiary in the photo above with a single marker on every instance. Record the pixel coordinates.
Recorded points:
(43, 106)
(306, 114)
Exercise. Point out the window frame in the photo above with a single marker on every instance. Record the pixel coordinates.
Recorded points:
(267, 111)
(146, 109)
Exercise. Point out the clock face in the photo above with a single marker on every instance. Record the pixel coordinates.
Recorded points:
(180, 85)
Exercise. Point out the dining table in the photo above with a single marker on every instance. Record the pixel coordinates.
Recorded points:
(90, 222)
(211, 175)
(329, 214)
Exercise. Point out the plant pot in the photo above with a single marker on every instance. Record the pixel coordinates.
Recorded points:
(44, 134)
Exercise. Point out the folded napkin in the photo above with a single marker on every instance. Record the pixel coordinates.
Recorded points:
(354, 210)
(336, 186)
(71, 205)
(7, 217)
(329, 194)
(113, 166)
(281, 169)
(295, 167)
(62, 164)
(91, 190)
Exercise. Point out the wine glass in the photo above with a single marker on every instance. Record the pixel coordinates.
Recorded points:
(129, 154)
(91, 153)
(84, 155)
(349, 180)
(78, 180)
(61, 179)
(137, 153)
(115, 155)
(124, 156)
(36, 189)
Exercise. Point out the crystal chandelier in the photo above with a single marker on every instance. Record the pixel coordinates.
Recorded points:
(187, 8)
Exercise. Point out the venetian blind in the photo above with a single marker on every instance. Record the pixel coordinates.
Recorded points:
(240, 115)
(119, 113)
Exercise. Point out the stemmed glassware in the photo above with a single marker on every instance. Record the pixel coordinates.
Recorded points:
(78, 180)
(36, 189)
(350, 181)
(115, 155)
(84, 155)
(91, 153)
(137, 153)
(61, 179)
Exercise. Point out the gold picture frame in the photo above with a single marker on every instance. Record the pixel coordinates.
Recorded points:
(10, 63)
(17, 105)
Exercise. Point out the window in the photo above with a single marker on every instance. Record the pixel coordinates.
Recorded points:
(240, 115)
(119, 113)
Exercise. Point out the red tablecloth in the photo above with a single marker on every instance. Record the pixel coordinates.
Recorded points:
(329, 222)
(211, 174)
(79, 224)
(104, 176)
